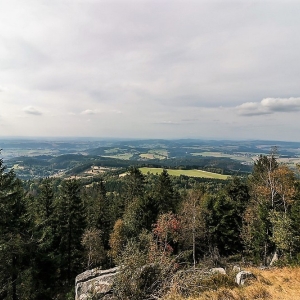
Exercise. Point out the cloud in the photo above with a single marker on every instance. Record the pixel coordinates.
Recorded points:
(190, 120)
(89, 112)
(281, 104)
(32, 111)
(251, 109)
(116, 111)
(191, 64)
(269, 106)
(168, 123)
(97, 111)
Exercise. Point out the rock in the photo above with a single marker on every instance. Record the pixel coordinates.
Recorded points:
(236, 269)
(274, 259)
(94, 283)
(243, 276)
(217, 270)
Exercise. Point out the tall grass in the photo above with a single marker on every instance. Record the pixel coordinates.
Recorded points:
(276, 284)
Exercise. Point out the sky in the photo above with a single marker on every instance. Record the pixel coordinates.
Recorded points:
(150, 69)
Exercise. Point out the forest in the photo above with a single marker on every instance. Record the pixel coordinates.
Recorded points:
(158, 228)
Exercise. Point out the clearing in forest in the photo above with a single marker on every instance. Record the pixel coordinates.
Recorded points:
(190, 173)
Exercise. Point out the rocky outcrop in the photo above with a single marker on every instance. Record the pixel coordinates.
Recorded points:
(274, 259)
(217, 271)
(95, 284)
(243, 276)
(236, 269)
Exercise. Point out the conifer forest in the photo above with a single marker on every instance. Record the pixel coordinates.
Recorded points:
(158, 228)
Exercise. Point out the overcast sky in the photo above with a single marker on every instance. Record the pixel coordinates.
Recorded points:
(150, 69)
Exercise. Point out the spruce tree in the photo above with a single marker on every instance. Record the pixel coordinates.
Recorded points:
(164, 194)
(135, 185)
(44, 260)
(98, 209)
(13, 233)
(71, 223)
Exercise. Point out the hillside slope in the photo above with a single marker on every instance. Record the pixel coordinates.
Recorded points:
(276, 284)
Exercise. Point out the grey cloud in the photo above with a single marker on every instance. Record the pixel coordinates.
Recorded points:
(269, 106)
(193, 53)
(251, 109)
(281, 104)
(32, 111)
(154, 60)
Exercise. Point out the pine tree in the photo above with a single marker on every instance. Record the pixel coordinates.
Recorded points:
(71, 222)
(44, 260)
(164, 194)
(98, 209)
(135, 185)
(13, 233)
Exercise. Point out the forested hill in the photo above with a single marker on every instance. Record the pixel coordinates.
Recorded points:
(54, 228)
(77, 164)
(32, 159)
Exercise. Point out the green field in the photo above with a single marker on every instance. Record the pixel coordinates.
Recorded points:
(155, 154)
(125, 156)
(147, 155)
(191, 173)
(239, 156)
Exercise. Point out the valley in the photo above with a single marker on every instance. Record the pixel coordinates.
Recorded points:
(39, 158)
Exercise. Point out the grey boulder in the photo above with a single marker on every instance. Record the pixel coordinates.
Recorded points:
(95, 284)
(243, 276)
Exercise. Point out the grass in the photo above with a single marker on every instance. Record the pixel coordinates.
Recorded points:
(276, 284)
(161, 152)
(191, 173)
(239, 157)
(155, 154)
(112, 150)
(147, 155)
(18, 167)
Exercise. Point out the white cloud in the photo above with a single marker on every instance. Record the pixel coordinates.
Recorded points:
(89, 112)
(32, 111)
(269, 106)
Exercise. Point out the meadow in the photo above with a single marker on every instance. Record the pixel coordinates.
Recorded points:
(276, 284)
(190, 173)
